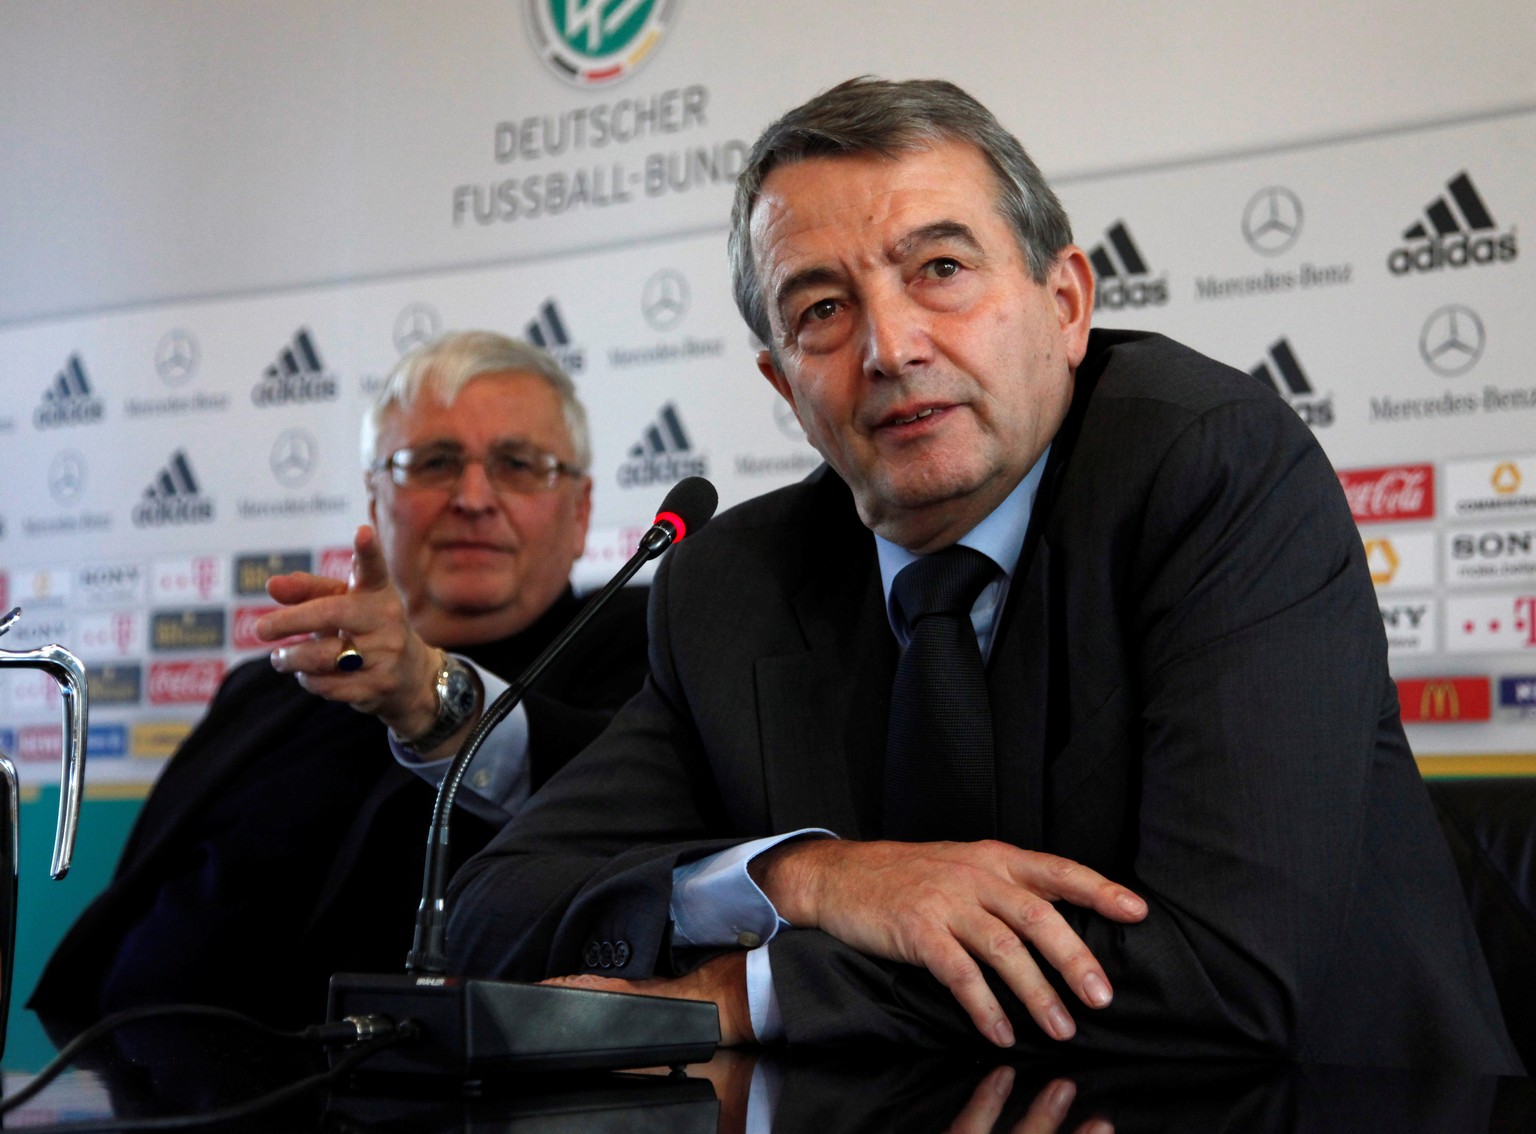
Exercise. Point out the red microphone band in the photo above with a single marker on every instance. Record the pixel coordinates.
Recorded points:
(676, 521)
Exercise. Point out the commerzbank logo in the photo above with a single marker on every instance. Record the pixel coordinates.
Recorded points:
(593, 43)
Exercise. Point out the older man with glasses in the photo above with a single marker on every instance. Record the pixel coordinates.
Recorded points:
(285, 840)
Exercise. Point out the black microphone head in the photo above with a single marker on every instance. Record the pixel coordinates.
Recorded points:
(689, 505)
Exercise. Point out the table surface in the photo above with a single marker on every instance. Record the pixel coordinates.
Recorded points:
(170, 1068)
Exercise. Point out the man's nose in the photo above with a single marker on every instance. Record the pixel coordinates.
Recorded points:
(474, 492)
(896, 333)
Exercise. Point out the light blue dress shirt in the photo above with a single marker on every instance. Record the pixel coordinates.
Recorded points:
(715, 902)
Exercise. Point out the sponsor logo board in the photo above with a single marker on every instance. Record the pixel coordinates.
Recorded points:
(192, 578)
(115, 634)
(1444, 700)
(187, 629)
(1490, 624)
(1397, 492)
(158, 739)
(663, 455)
(1456, 231)
(253, 571)
(184, 682)
(1401, 561)
(1412, 626)
(1491, 556)
(115, 684)
(110, 584)
(244, 635)
(40, 742)
(174, 497)
(107, 741)
(1492, 486)
(1283, 373)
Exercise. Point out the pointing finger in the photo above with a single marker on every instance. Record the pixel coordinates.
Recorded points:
(301, 586)
(369, 571)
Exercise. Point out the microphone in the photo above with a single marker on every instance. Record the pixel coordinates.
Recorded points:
(473, 1026)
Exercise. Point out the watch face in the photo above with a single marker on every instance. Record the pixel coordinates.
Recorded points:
(459, 695)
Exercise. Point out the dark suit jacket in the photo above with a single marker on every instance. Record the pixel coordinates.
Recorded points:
(1190, 694)
(284, 843)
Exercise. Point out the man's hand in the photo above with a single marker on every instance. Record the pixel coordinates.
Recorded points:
(721, 979)
(397, 682)
(948, 906)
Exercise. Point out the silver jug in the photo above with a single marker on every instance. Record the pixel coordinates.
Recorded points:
(66, 669)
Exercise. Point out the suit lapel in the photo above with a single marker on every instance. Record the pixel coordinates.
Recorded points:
(822, 712)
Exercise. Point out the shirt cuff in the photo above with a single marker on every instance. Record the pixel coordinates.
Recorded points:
(763, 998)
(499, 780)
(715, 901)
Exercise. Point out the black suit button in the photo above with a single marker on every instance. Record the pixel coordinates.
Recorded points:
(620, 954)
(607, 955)
(592, 955)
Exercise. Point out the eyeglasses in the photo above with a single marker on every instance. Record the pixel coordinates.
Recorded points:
(509, 466)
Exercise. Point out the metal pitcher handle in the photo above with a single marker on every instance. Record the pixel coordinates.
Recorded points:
(67, 670)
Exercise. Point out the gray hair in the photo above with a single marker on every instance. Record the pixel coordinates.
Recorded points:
(877, 116)
(443, 367)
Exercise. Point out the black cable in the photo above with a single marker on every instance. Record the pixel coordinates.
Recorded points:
(106, 1024)
(340, 1031)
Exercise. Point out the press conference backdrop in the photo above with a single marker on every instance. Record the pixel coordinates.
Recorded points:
(226, 222)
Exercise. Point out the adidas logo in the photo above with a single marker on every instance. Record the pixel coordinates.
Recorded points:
(1450, 234)
(173, 497)
(298, 375)
(547, 331)
(1119, 285)
(68, 401)
(663, 454)
(1292, 385)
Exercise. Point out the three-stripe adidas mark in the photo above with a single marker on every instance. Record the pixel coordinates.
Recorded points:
(1122, 272)
(663, 454)
(1456, 231)
(547, 330)
(173, 496)
(68, 400)
(1293, 385)
(297, 375)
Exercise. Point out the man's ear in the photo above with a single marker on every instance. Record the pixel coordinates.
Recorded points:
(373, 501)
(776, 379)
(1072, 284)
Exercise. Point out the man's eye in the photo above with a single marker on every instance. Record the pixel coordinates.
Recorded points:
(513, 463)
(821, 310)
(436, 463)
(944, 267)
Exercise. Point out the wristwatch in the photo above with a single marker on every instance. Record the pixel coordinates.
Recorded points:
(458, 699)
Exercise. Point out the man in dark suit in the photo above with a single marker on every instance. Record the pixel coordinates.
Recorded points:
(1189, 805)
(285, 840)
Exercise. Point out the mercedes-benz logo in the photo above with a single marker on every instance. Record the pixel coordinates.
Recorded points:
(664, 300)
(66, 477)
(176, 357)
(1272, 220)
(416, 326)
(1452, 340)
(293, 457)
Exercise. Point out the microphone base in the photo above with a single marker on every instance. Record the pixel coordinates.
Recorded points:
(472, 1029)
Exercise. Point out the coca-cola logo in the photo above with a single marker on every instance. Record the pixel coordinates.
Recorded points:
(336, 563)
(245, 629)
(184, 683)
(1402, 492)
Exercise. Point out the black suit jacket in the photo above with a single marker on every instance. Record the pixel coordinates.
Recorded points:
(1190, 694)
(284, 843)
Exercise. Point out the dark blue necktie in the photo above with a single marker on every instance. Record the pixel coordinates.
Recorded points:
(939, 779)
